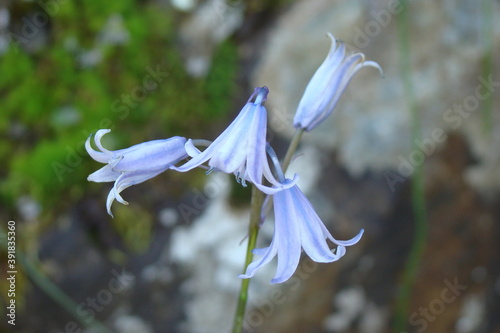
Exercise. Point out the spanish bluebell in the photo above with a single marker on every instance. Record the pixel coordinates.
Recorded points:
(241, 148)
(297, 227)
(133, 165)
(327, 85)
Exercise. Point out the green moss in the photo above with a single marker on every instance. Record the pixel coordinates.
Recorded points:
(46, 172)
(57, 103)
(220, 82)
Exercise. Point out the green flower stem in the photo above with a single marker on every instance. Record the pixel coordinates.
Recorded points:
(487, 37)
(52, 290)
(292, 148)
(417, 183)
(253, 231)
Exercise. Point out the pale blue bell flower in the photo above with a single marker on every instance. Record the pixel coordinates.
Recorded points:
(327, 85)
(241, 148)
(297, 227)
(133, 165)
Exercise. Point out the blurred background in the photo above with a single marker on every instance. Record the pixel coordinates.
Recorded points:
(411, 157)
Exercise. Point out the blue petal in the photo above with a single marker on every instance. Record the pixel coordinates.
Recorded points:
(256, 147)
(99, 156)
(125, 180)
(191, 150)
(273, 190)
(104, 174)
(135, 164)
(327, 85)
(233, 149)
(217, 145)
(312, 236)
(97, 139)
(267, 254)
(297, 227)
(152, 155)
(349, 242)
(326, 234)
(286, 235)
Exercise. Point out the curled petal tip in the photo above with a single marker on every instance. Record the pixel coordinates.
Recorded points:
(332, 37)
(100, 133)
(375, 65)
(349, 242)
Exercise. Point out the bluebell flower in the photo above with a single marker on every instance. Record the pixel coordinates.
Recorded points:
(327, 85)
(297, 227)
(241, 148)
(133, 165)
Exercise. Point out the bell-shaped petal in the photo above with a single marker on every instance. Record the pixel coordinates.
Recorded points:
(133, 165)
(241, 148)
(297, 227)
(327, 85)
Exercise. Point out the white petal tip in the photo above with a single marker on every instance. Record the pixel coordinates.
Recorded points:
(104, 130)
(375, 65)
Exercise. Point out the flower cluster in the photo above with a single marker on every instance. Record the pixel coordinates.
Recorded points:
(242, 150)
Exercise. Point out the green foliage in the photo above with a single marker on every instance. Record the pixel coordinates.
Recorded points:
(45, 171)
(52, 101)
(221, 79)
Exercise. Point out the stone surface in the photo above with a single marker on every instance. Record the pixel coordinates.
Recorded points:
(446, 54)
(211, 23)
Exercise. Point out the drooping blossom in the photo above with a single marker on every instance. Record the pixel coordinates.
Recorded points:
(327, 85)
(241, 148)
(297, 227)
(133, 165)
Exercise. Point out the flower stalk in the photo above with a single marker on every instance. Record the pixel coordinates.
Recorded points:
(253, 231)
(292, 148)
(256, 203)
(414, 259)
